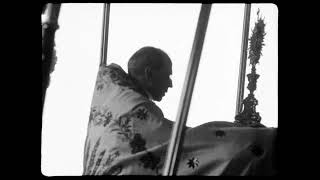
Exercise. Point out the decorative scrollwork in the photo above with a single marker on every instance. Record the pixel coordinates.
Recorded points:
(248, 116)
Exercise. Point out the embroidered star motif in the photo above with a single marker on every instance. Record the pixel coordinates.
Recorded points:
(99, 87)
(137, 144)
(142, 114)
(193, 162)
(108, 119)
(220, 133)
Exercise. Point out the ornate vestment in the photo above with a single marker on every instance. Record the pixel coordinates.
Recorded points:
(128, 135)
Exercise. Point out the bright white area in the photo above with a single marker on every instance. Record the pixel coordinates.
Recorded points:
(170, 27)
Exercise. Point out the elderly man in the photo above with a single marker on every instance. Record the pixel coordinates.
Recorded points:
(124, 122)
(128, 133)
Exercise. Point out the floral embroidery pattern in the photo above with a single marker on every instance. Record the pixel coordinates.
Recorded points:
(124, 127)
(100, 87)
(99, 84)
(108, 119)
(115, 170)
(137, 144)
(93, 113)
(93, 154)
(103, 162)
(100, 117)
(109, 160)
(87, 147)
(150, 161)
(118, 76)
(121, 78)
(100, 80)
(105, 72)
(98, 162)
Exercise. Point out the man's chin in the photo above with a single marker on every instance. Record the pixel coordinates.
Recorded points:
(158, 99)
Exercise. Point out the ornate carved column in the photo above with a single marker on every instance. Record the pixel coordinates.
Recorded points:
(248, 116)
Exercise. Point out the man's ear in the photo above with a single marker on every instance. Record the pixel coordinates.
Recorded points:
(148, 74)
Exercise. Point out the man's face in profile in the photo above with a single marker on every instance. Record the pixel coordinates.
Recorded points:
(161, 81)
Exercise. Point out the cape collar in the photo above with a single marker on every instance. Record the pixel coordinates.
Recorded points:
(131, 82)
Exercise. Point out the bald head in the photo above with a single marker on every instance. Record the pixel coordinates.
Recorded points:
(151, 67)
(151, 57)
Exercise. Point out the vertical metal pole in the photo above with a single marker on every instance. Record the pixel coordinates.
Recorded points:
(177, 134)
(105, 31)
(49, 27)
(243, 60)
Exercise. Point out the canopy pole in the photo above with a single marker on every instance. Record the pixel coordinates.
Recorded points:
(49, 27)
(105, 31)
(177, 134)
(243, 60)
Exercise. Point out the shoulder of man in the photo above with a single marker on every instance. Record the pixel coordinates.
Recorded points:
(149, 108)
(151, 112)
(150, 124)
(115, 74)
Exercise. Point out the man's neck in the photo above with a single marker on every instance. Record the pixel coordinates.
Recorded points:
(148, 94)
(142, 88)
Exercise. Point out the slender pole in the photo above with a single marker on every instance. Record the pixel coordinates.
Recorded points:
(49, 27)
(243, 60)
(105, 30)
(177, 135)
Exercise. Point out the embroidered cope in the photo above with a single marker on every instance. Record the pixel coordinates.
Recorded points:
(128, 134)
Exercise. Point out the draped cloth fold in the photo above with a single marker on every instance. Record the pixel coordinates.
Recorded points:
(128, 134)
